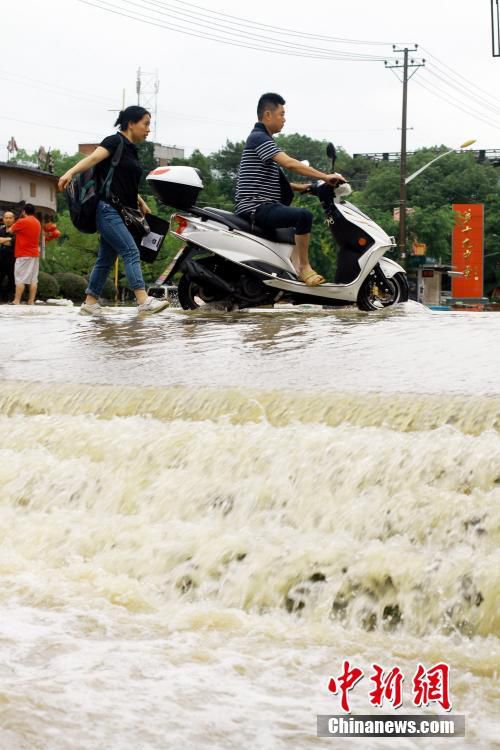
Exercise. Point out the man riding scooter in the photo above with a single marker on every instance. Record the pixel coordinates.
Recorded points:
(263, 193)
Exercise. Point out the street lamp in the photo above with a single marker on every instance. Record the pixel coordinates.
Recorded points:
(419, 171)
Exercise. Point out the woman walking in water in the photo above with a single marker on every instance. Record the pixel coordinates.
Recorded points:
(115, 239)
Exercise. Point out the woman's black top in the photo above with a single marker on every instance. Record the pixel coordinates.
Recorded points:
(128, 171)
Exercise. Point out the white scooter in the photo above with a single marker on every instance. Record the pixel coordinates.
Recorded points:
(227, 261)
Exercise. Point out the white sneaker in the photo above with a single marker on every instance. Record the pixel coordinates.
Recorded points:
(87, 309)
(153, 305)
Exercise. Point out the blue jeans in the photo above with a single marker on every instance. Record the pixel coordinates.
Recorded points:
(115, 240)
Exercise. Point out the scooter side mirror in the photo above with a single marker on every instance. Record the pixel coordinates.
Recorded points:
(331, 152)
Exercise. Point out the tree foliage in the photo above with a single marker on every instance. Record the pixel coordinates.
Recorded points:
(74, 252)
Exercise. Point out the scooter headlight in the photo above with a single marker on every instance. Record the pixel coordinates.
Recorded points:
(343, 190)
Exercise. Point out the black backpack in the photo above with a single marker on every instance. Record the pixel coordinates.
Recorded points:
(83, 194)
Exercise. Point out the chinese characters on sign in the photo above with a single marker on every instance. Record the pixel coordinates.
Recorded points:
(467, 250)
(428, 686)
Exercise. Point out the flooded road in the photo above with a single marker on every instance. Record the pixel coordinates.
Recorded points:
(408, 349)
(203, 515)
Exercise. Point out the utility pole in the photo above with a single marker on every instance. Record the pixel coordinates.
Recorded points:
(405, 65)
(495, 28)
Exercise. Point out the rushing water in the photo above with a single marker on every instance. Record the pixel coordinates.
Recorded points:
(203, 515)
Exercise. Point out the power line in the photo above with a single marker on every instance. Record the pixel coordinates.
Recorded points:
(238, 21)
(440, 94)
(52, 127)
(456, 87)
(472, 85)
(52, 88)
(165, 113)
(234, 37)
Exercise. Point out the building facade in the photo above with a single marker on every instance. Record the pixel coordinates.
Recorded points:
(21, 184)
(162, 154)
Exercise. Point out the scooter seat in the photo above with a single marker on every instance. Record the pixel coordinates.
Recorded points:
(233, 221)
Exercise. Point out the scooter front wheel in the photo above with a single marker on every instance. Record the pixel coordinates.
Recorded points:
(372, 297)
(192, 295)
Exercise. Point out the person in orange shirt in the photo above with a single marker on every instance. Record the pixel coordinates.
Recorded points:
(27, 230)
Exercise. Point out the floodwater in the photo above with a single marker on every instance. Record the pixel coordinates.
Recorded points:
(203, 515)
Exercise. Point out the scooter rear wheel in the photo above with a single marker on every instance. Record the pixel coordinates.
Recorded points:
(370, 297)
(193, 296)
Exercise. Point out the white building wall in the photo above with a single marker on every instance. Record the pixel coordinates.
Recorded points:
(16, 186)
(167, 153)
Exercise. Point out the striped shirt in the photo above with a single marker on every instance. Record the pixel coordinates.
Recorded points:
(258, 176)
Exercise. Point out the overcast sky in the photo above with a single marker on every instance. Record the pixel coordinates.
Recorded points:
(64, 65)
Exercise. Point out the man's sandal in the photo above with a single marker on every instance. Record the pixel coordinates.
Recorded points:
(312, 278)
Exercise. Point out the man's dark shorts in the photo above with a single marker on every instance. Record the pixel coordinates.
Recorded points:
(278, 216)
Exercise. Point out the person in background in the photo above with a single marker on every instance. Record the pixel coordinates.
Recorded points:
(27, 230)
(258, 186)
(7, 244)
(115, 238)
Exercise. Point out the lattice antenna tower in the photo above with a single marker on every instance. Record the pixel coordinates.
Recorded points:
(147, 87)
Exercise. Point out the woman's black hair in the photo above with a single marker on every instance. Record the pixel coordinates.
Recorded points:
(130, 114)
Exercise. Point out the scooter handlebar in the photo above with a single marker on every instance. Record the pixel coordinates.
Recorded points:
(340, 190)
(311, 189)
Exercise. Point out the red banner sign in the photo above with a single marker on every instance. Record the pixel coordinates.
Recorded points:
(467, 250)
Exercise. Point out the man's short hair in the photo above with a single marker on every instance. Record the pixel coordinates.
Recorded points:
(268, 101)
(29, 209)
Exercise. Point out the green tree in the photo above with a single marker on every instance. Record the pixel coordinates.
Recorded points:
(148, 163)
(63, 162)
(73, 252)
(492, 242)
(303, 148)
(24, 156)
(432, 226)
(381, 190)
(457, 178)
(225, 164)
(212, 194)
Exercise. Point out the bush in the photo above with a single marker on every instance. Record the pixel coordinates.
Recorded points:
(48, 286)
(72, 286)
(109, 290)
